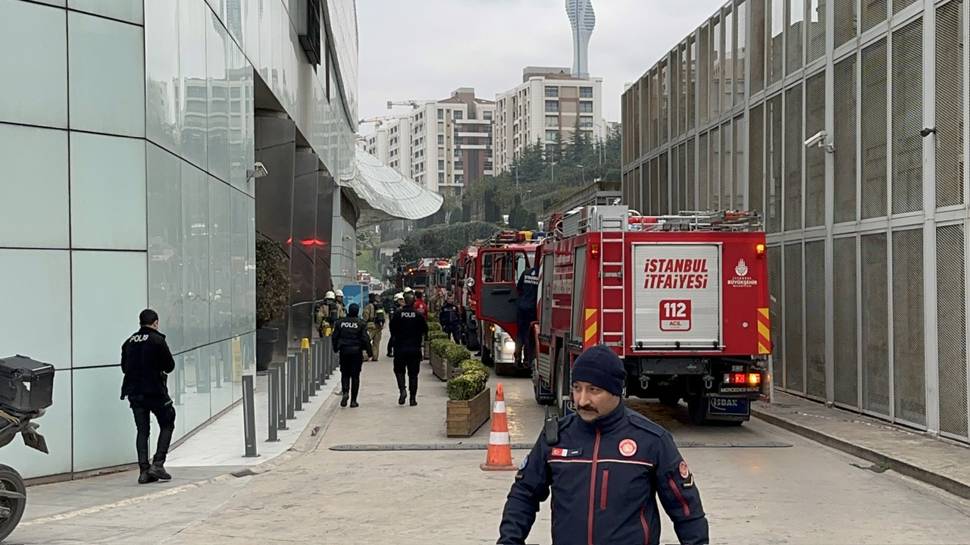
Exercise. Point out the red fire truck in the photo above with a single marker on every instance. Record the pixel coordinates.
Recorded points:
(682, 299)
(490, 272)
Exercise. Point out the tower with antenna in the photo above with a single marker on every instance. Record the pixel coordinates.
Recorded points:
(583, 20)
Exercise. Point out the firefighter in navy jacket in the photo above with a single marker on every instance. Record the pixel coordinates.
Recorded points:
(605, 468)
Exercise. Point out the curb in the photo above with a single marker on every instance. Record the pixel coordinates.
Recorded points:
(902, 467)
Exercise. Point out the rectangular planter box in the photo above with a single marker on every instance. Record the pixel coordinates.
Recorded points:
(465, 417)
(439, 366)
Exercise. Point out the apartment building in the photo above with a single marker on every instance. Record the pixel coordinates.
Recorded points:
(548, 107)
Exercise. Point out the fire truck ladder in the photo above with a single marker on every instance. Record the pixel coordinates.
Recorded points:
(612, 287)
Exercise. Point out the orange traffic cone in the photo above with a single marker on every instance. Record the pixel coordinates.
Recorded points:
(499, 456)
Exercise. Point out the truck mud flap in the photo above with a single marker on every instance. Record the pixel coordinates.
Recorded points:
(728, 408)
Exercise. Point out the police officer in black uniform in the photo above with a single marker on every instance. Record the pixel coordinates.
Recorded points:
(146, 362)
(350, 340)
(528, 289)
(408, 328)
(605, 465)
(450, 320)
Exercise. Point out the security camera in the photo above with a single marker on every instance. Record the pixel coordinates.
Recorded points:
(927, 131)
(818, 140)
(258, 171)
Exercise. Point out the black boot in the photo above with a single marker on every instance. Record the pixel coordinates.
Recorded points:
(414, 401)
(413, 387)
(402, 397)
(343, 398)
(145, 477)
(158, 472)
(354, 405)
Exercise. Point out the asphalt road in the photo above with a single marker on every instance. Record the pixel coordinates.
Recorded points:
(759, 484)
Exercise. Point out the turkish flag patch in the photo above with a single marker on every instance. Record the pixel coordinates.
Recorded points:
(628, 447)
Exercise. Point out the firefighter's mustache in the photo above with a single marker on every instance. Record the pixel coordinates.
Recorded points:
(588, 408)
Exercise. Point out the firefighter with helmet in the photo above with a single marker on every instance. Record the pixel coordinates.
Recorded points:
(341, 309)
(375, 318)
(398, 304)
(639, 456)
(327, 314)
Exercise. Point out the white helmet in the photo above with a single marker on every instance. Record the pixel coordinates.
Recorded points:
(408, 290)
(328, 295)
(398, 296)
(340, 293)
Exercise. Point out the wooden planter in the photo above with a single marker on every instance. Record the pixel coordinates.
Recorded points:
(439, 366)
(465, 417)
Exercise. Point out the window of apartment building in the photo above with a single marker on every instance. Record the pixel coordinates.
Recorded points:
(459, 114)
(585, 92)
(441, 164)
(586, 122)
(586, 107)
(552, 106)
(441, 139)
(552, 121)
(441, 177)
(459, 179)
(551, 136)
(552, 92)
(487, 116)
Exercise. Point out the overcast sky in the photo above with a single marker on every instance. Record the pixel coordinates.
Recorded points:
(424, 49)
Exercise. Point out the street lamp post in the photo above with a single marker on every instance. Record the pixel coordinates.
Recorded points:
(583, 169)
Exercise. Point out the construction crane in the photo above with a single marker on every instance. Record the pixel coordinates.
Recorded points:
(415, 104)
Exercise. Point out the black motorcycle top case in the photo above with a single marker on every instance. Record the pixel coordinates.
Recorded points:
(25, 385)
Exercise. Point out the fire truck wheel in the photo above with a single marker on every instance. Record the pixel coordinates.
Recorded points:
(670, 399)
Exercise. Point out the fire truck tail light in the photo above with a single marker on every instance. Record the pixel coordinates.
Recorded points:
(759, 249)
(754, 379)
(594, 250)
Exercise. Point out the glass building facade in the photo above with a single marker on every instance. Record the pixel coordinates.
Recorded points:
(128, 136)
(845, 123)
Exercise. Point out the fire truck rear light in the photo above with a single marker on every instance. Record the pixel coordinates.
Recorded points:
(759, 249)
(739, 378)
(754, 379)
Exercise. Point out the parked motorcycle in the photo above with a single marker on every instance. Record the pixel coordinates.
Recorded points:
(26, 391)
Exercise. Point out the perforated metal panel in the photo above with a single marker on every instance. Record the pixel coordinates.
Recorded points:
(907, 90)
(740, 186)
(951, 329)
(683, 180)
(794, 144)
(776, 33)
(874, 330)
(873, 13)
(900, 5)
(794, 358)
(775, 308)
(845, 330)
(674, 177)
(814, 156)
(727, 169)
(816, 29)
(845, 140)
(663, 175)
(756, 159)
(950, 155)
(691, 176)
(909, 383)
(815, 318)
(703, 173)
(795, 35)
(846, 21)
(716, 178)
(874, 131)
(773, 144)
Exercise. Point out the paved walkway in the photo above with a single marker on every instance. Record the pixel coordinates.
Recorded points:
(938, 462)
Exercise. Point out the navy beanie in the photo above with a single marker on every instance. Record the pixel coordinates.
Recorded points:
(601, 367)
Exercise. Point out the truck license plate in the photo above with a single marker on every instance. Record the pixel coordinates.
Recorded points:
(729, 406)
(675, 315)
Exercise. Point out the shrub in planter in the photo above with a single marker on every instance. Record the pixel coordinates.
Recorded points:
(434, 335)
(463, 388)
(473, 365)
(434, 327)
(440, 346)
(455, 354)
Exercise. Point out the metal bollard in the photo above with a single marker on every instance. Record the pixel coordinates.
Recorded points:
(274, 407)
(298, 382)
(317, 351)
(312, 370)
(249, 416)
(305, 364)
(291, 386)
(282, 389)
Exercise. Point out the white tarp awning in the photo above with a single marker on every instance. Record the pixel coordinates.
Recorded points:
(385, 194)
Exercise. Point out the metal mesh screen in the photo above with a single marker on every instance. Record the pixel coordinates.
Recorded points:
(846, 21)
(815, 156)
(794, 362)
(845, 336)
(655, 187)
(899, 5)
(716, 58)
(756, 49)
(951, 329)
(727, 62)
(703, 173)
(691, 176)
(739, 164)
(664, 183)
(704, 73)
(664, 103)
(873, 13)
(795, 35)
(875, 334)
(691, 82)
(907, 115)
(794, 144)
(682, 176)
(909, 384)
(815, 318)
(775, 308)
(874, 130)
(773, 150)
(816, 29)
(845, 141)
(727, 169)
(741, 37)
(674, 177)
(716, 170)
(776, 51)
(756, 159)
(950, 158)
